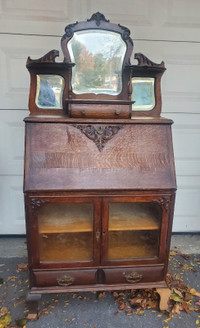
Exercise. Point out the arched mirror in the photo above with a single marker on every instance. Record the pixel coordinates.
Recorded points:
(98, 56)
(101, 52)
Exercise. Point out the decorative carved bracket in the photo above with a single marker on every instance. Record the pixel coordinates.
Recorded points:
(36, 202)
(144, 61)
(100, 134)
(163, 202)
(48, 58)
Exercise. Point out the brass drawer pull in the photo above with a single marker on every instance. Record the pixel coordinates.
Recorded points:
(65, 281)
(133, 277)
(117, 112)
(83, 111)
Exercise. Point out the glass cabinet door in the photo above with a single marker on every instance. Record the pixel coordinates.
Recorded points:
(133, 230)
(66, 232)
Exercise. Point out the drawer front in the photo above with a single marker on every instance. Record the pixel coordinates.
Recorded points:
(134, 275)
(64, 278)
(100, 111)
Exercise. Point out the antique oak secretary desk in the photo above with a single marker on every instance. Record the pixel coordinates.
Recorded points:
(99, 167)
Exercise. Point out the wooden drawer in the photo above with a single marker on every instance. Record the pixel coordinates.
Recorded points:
(99, 111)
(63, 278)
(134, 275)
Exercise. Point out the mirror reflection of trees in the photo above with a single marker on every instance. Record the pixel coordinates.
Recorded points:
(98, 64)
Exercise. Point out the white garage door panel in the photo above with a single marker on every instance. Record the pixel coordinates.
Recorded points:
(158, 19)
(35, 17)
(15, 81)
(181, 81)
(186, 139)
(12, 142)
(187, 208)
(12, 207)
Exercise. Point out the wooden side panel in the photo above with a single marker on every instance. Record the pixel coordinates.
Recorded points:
(86, 157)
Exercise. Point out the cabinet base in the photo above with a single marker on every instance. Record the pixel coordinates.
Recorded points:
(99, 287)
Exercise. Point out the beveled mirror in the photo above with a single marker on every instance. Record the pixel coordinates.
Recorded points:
(100, 51)
(98, 56)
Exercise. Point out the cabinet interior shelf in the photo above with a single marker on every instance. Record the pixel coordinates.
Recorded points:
(67, 219)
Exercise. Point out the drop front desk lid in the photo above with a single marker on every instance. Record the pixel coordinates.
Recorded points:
(70, 154)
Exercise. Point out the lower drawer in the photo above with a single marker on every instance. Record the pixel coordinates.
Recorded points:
(134, 275)
(64, 278)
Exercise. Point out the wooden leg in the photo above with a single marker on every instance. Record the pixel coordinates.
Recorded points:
(164, 298)
(32, 302)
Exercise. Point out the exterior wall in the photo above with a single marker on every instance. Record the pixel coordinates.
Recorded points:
(166, 30)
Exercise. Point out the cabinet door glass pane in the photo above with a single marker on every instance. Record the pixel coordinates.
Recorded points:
(133, 230)
(66, 232)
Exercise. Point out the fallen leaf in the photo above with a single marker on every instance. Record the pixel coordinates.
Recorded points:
(12, 278)
(177, 309)
(187, 297)
(178, 292)
(128, 311)
(139, 311)
(122, 306)
(174, 252)
(46, 310)
(185, 307)
(1, 265)
(4, 310)
(32, 316)
(20, 322)
(194, 292)
(22, 267)
(101, 295)
(5, 320)
(176, 298)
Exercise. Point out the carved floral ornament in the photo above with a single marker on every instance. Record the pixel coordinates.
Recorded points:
(163, 202)
(36, 202)
(99, 134)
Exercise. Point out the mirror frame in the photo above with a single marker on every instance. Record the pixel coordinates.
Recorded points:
(99, 22)
(147, 68)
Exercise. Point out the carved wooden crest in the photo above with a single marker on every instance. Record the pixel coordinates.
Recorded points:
(100, 134)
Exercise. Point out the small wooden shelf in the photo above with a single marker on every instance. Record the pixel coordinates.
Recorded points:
(133, 216)
(62, 247)
(62, 218)
(133, 244)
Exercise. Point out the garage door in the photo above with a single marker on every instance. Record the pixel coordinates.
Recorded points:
(166, 30)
